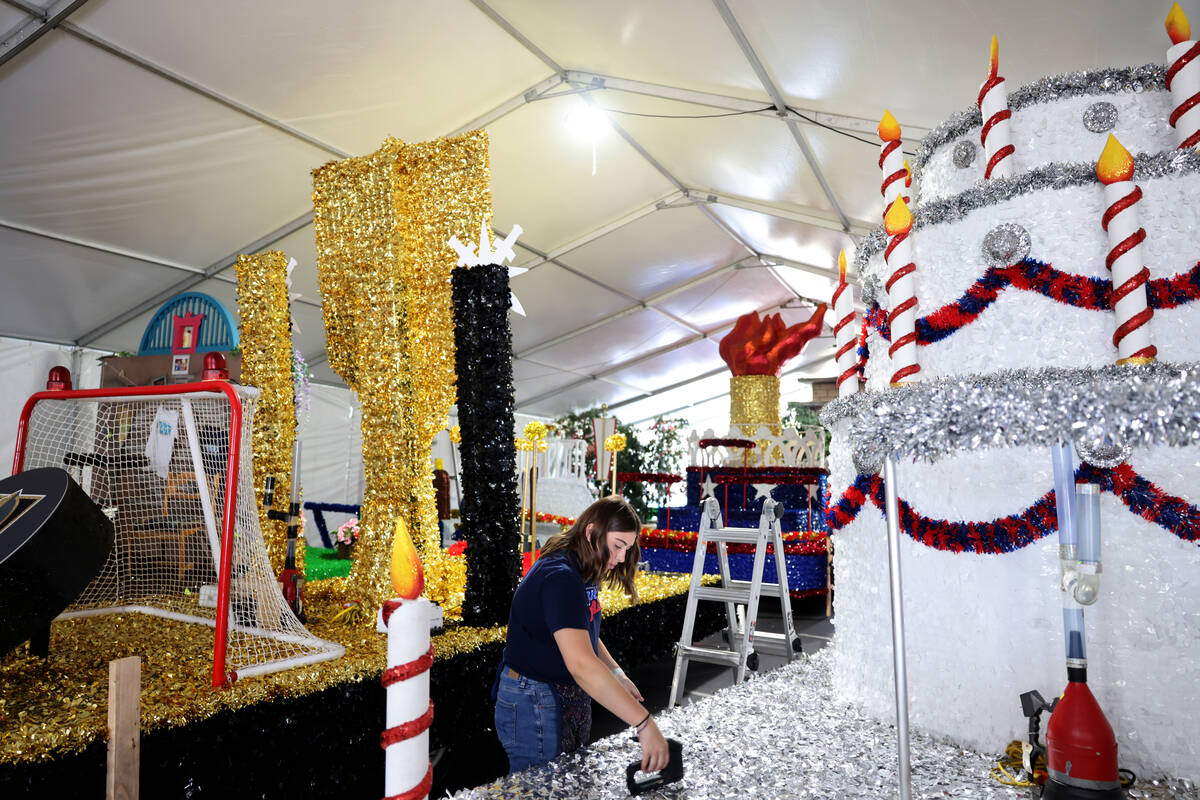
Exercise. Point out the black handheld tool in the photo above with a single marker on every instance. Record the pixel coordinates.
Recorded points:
(672, 772)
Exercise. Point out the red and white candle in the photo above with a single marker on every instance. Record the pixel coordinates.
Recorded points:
(996, 136)
(844, 334)
(891, 161)
(901, 290)
(408, 774)
(1125, 236)
(1183, 78)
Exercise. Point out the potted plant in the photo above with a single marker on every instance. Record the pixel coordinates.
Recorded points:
(347, 536)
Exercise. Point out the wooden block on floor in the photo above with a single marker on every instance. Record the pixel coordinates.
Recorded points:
(124, 728)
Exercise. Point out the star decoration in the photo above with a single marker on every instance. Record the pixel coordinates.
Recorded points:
(484, 254)
(708, 488)
(763, 489)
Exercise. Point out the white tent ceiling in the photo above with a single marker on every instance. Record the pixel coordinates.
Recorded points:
(144, 145)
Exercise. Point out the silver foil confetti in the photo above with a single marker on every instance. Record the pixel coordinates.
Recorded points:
(1005, 244)
(784, 734)
(1136, 406)
(964, 153)
(1150, 77)
(1100, 117)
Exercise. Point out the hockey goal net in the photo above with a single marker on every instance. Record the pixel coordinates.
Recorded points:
(170, 465)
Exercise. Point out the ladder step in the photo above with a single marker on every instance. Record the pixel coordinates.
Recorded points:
(774, 643)
(723, 595)
(766, 588)
(734, 535)
(710, 654)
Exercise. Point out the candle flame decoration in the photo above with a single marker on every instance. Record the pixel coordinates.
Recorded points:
(408, 579)
(898, 218)
(1177, 25)
(907, 174)
(762, 347)
(994, 65)
(889, 129)
(1115, 164)
(842, 266)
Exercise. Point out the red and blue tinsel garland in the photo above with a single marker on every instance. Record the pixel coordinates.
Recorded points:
(1006, 534)
(1035, 276)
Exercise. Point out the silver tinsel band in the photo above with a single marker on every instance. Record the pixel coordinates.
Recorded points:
(988, 193)
(1101, 410)
(1112, 80)
(783, 735)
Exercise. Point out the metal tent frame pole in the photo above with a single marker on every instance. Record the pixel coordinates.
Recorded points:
(904, 767)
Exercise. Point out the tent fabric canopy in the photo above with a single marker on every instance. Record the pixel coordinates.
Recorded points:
(146, 145)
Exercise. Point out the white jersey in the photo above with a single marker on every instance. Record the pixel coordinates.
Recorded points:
(162, 441)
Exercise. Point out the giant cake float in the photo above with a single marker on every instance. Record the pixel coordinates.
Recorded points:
(992, 330)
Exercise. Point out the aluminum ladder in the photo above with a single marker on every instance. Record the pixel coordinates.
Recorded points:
(745, 641)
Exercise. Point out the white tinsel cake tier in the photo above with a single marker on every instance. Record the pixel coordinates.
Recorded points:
(982, 628)
(1062, 230)
(1059, 119)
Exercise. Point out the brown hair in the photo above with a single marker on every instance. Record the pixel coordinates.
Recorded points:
(607, 514)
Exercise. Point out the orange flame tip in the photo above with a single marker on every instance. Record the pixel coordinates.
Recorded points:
(898, 218)
(1115, 164)
(1177, 25)
(408, 579)
(994, 67)
(889, 129)
(842, 265)
(907, 174)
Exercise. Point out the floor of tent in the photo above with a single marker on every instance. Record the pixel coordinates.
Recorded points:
(468, 770)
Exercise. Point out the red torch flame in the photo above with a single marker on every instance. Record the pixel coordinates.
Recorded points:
(762, 347)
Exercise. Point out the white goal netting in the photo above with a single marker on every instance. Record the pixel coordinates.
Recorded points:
(158, 464)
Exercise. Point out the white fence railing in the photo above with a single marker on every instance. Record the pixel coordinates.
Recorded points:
(793, 447)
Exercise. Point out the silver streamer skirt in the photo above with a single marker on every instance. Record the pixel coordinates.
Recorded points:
(782, 735)
(1100, 410)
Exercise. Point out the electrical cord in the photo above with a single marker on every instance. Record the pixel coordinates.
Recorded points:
(1010, 769)
(799, 114)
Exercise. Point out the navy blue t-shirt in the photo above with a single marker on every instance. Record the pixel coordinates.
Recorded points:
(551, 597)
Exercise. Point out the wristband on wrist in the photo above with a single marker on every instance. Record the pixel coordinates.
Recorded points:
(638, 728)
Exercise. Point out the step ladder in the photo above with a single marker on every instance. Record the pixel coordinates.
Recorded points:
(745, 642)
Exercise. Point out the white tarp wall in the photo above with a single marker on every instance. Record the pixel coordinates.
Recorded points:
(24, 366)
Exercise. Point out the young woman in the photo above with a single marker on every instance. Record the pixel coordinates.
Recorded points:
(555, 663)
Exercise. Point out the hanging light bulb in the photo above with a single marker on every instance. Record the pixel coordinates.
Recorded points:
(587, 122)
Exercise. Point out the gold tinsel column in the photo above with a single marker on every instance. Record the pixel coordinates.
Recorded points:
(382, 223)
(266, 337)
(753, 401)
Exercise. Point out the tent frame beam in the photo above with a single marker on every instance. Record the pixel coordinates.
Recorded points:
(43, 21)
(781, 106)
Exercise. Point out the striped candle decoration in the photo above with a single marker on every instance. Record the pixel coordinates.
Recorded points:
(891, 160)
(1125, 235)
(1183, 79)
(845, 340)
(902, 299)
(408, 773)
(996, 136)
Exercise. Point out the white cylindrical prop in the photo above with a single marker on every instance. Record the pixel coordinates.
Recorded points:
(1129, 275)
(407, 760)
(892, 171)
(1183, 79)
(844, 339)
(902, 293)
(996, 136)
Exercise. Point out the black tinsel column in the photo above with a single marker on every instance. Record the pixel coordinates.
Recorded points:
(490, 509)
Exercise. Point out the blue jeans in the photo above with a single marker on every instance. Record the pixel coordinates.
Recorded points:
(528, 721)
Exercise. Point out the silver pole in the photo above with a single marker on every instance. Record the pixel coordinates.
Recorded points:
(901, 675)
